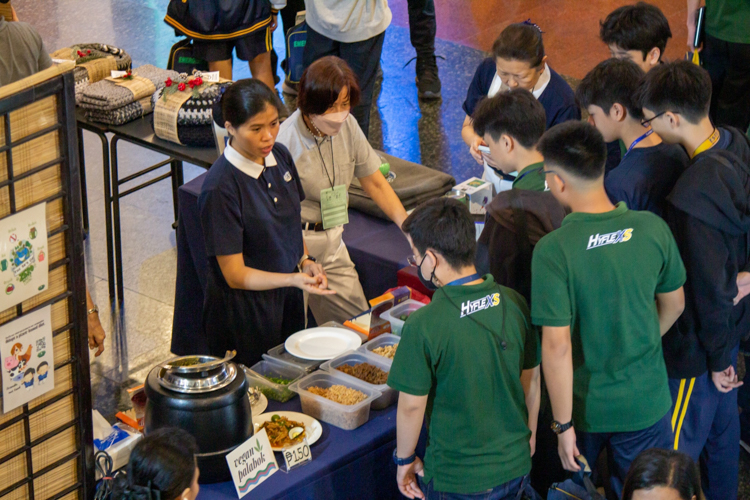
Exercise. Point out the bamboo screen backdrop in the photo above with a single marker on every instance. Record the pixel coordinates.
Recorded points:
(46, 449)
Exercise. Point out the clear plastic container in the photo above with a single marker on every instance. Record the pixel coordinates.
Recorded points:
(346, 417)
(276, 369)
(381, 341)
(393, 315)
(389, 396)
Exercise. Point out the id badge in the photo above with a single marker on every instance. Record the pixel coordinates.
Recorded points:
(333, 208)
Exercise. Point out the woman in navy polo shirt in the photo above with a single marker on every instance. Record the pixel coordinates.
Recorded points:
(518, 62)
(250, 213)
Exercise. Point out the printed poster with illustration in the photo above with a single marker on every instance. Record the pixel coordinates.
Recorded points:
(23, 255)
(28, 360)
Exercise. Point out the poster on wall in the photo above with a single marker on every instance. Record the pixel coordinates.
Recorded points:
(28, 361)
(23, 255)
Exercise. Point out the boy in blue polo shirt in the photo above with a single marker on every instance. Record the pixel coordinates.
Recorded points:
(649, 168)
(469, 363)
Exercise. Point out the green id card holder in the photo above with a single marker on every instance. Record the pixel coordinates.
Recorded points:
(333, 207)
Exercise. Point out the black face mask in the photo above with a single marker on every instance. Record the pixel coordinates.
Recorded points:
(428, 284)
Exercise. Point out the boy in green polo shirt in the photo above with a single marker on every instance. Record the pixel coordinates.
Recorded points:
(605, 287)
(511, 123)
(469, 362)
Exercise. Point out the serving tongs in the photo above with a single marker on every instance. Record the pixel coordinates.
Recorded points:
(200, 367)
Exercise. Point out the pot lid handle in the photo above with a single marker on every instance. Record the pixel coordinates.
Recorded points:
(202, 367)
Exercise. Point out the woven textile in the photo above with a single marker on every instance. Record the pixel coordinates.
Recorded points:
(107, 95)
(191, 123)
(197, 111)
(93, 70)
(123, 115)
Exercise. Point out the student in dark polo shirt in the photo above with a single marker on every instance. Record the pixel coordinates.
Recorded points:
(468, 362)
(649, 168)
(708, 213)
(605, 287)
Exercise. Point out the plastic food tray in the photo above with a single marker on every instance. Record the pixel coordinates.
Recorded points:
(382, 340)
(393, 314)
(346, 417)
(273, 368)
(389, 396)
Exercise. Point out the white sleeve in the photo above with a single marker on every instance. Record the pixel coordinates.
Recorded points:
(278, 4)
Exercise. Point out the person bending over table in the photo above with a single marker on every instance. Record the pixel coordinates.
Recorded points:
(330, 150)
(518, 61)
(250, 213)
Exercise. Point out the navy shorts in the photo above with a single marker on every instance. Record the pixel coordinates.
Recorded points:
(248, 47)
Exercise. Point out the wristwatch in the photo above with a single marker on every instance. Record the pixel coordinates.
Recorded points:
(303, 259)
(403, 461)
(559, 428)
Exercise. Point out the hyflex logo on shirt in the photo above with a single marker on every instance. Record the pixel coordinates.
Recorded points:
(472, 306)
(599, 240)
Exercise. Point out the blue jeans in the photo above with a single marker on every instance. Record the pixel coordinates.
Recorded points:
(511, 490)
(623, 447)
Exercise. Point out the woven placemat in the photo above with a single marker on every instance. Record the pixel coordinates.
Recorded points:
(99, 69)
(166, 112)
(139, 86)
(6, 11)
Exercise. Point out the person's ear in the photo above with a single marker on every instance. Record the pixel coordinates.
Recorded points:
(653, 57)
(617, 112)
(673, 119)
(541, 65)
(508, 144)
(185, 494)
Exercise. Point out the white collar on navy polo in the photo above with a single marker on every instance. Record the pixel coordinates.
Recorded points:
(247, 166)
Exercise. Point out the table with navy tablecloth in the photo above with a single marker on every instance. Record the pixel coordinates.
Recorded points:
(376, 246)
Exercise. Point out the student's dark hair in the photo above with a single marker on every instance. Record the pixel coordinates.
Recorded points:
(516, 113)
(667, 468)
(322, 82)
(611, 81)
(29, 370)
(445, 226)
(163, 461)
(576, 147)
(520, 42)
(636, 27)
(43, 363)
(245, 99)
(680, 87)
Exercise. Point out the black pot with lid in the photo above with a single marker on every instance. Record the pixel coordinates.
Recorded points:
(207, 397)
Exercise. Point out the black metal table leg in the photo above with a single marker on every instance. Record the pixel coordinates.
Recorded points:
(82, 173)
(177, 181)
(115, 184)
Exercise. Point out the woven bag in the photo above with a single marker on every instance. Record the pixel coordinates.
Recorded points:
(186, 119)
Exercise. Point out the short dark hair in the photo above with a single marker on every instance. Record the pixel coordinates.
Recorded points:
(668, 468)
(245, 99)
(43, 363)
(444, 225)
(322, 82)
(680, 86)
(163, 461)
(520, 42)
(636, 27)
(29, 371)
(576, 147)
(611, 81)
(516, 113)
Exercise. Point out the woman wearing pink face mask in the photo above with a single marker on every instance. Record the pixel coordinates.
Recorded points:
(330, 150)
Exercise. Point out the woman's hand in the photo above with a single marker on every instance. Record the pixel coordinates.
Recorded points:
(475, 153)
(96, 334)
(310, 284)
(406, 477)
(315, 270)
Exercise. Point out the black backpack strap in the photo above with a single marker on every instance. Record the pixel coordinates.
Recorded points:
(522, 243)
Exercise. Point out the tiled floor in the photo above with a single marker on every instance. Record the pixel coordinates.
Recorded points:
(424, 132)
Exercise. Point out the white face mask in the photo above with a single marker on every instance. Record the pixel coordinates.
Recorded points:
(331, 123)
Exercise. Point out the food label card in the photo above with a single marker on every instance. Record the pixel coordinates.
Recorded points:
(23, 255)
(297, 455)
(28, 361)
(251, 463)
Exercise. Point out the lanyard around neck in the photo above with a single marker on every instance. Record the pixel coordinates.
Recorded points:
(333, 163)
(708, 143)
(464, 280)
(651, 131)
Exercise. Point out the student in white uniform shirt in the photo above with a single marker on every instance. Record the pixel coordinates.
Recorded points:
(329, 150)
(518, 61)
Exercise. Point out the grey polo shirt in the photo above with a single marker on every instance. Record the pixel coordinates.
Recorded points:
(22, 52)
(352, 157)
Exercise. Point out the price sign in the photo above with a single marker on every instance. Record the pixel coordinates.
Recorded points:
(297, 455)
(117, 74)
(210, 76)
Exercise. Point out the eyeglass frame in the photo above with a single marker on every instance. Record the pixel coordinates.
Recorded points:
(647, 123)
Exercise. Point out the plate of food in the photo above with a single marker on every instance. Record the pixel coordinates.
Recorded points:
(285, 428)
(322, 343)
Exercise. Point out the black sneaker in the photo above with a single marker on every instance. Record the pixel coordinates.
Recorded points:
(428, 82)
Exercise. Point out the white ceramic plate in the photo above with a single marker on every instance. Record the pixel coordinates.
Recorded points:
(312, 427)
(322, 343)
(260, 406)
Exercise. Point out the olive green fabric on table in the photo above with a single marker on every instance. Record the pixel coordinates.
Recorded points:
(728, 20)
(599, 273)
(476, 411)
(531, 178)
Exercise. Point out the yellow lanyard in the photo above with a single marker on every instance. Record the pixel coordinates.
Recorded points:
(708, 143)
